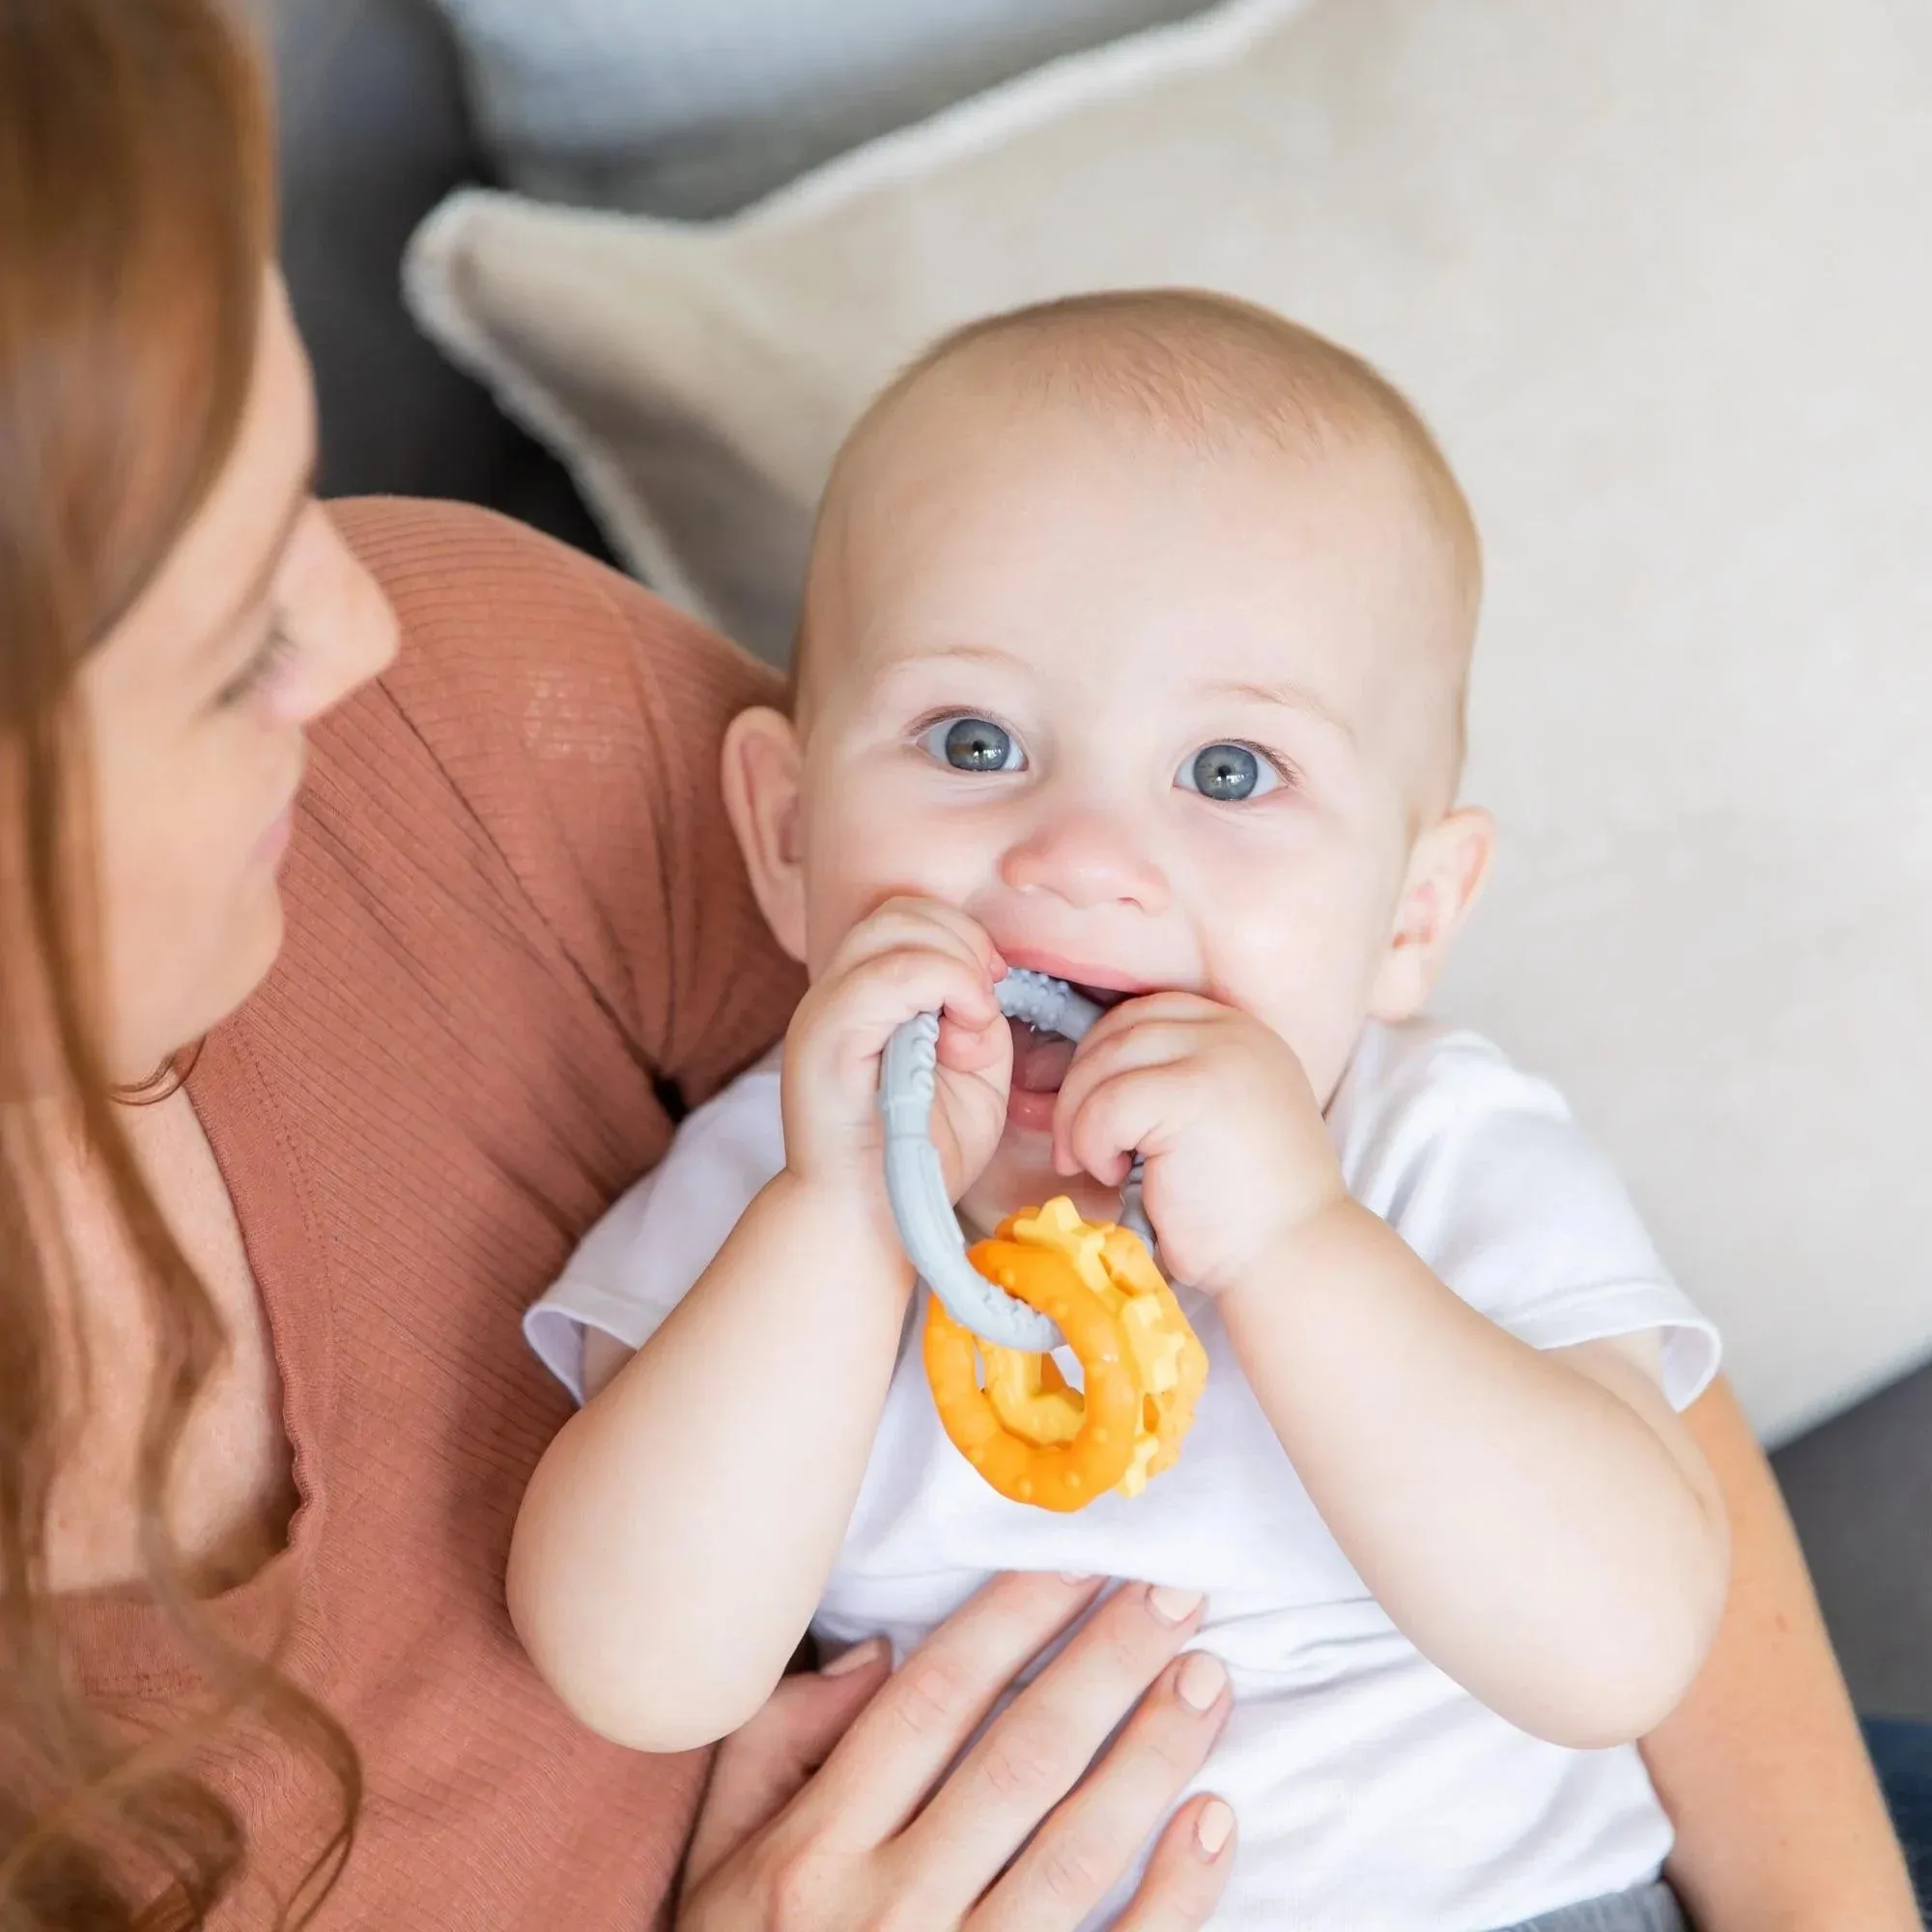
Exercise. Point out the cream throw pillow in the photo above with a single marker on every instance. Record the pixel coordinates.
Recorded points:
(1660, 277)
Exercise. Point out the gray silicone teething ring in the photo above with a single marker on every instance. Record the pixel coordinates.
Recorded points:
(915, 1186)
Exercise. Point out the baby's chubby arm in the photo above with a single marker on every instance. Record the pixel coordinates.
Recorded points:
(1539, 1523)
(678, 1532)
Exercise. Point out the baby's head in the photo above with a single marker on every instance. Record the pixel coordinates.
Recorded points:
(1137, 627)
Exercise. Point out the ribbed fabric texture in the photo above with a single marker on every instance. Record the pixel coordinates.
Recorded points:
(516, 915)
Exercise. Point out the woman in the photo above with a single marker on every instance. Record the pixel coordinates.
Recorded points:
(265, 1414)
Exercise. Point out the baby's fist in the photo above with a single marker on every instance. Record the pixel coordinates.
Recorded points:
(1237, 1154)
(911, 956)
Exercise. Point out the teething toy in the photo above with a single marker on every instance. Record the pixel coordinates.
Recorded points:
(1034, 1438)
(1046, 1275)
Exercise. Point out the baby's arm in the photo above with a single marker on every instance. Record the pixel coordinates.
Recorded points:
(678, 1532)
(1539, 1524)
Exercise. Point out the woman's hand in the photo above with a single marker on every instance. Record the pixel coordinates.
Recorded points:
(833, 1808)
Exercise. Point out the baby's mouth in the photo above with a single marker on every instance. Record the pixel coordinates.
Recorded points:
(1040, 1060)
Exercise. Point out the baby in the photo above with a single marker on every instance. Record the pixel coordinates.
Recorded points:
(1133, 651)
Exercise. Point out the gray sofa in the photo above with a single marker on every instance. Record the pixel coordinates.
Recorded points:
(374, 134)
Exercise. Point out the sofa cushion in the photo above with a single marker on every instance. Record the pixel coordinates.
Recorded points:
(694, 107)
(1659, 279)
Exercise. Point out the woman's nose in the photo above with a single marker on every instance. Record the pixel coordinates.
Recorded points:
(1089, 860)
(346, 629)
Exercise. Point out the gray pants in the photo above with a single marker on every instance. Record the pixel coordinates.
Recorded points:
(1650, 1908)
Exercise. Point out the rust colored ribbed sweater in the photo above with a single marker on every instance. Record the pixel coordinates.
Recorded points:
(516, 918)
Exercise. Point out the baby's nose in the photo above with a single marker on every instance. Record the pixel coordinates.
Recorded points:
(1088, 859)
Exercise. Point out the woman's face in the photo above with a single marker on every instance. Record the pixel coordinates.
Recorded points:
(198, 704)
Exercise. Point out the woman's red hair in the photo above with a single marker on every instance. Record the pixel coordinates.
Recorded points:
(136, 233)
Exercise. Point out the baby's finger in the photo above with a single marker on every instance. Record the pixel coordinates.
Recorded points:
(1076, 1857)
(910, 921)
(1106, 1113)
(1151, 1009)
(1152, 1043)
(1189, 1871)
(1142, 1033)
(986, 1050)
(893, 987)
(903, 1742)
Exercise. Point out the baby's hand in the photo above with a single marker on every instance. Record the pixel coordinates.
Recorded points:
(1237, 1155)
(911, 956)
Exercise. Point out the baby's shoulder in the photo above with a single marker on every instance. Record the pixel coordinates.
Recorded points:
(1441, 1071)
(739, 1126)
(1422, 1092)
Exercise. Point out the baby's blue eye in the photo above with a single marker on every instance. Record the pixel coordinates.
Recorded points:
(1228, 774)
(974, 745)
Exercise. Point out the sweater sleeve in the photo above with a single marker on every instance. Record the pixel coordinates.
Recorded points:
(581, 720)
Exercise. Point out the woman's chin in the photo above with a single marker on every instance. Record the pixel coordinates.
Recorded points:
(212, 989)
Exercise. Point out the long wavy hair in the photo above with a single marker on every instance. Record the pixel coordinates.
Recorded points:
(136, 226)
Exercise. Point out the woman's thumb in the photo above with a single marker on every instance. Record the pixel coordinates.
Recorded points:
(763, 1766)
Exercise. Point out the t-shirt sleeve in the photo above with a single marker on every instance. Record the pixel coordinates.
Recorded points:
(580, 722)
(1485, 1171)
(642, 1259)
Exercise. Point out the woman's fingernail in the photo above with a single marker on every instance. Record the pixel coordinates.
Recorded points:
(1172, 1606)
(855, 1659)
(1074, 1578)
(1202, 1680)
(1213, 1828)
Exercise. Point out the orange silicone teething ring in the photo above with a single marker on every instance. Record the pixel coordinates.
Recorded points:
(1035, 1439)
(1057, 1476)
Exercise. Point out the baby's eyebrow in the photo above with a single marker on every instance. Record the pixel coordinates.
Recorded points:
(1288, 697)
(960, 653)
(884, 675)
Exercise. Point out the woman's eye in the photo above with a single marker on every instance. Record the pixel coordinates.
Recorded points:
(974, 745)
(1229, 774)
(276, 649)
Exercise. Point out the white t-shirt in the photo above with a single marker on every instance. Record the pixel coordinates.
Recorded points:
(1374, 1794)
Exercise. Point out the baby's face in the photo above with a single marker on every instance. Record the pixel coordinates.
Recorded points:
(1157, 718)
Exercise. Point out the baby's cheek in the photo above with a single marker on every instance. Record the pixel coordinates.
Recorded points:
(855, 862)
(1317, 1006)
(837, 896)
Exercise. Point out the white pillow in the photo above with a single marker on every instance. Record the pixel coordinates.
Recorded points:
(1660, 277)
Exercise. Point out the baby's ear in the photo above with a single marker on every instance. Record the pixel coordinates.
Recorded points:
(1446, 873)
(763, 768)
